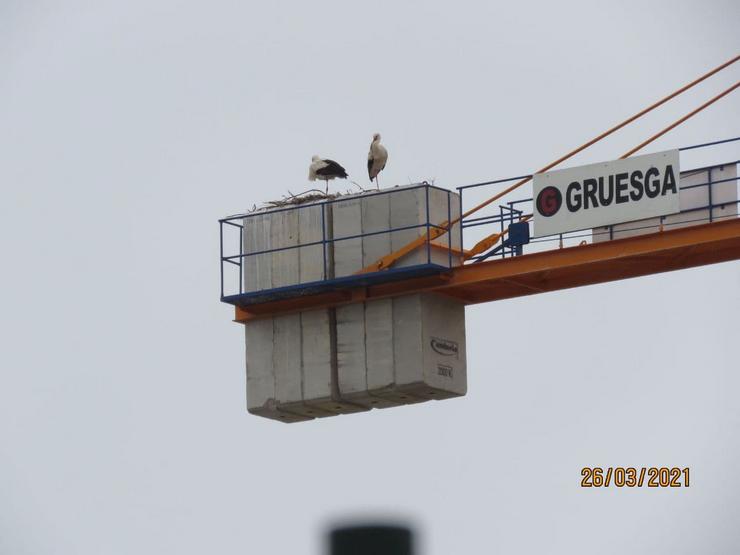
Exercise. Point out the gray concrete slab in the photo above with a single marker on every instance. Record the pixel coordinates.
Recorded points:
(351, 364)
(407, 209)
(261, 396)
(444, 207)
(258, 268)
(284, 233)
(311, 230)
(444, 363)
(347, 222)
(429, 346)
(316, 360)
(379, 353)
(286, 354)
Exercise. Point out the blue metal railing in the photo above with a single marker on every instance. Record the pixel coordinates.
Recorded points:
(509, 212)
(327, 242)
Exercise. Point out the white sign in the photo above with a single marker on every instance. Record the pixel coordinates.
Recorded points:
(606, 193)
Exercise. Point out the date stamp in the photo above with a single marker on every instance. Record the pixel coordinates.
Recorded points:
(631, 477)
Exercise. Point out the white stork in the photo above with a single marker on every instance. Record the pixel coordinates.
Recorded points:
(376, 159)
(325, 169)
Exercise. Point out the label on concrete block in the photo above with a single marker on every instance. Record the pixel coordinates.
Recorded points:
(429, 346)
(444, 345)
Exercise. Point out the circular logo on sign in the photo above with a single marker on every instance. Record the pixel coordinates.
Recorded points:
(549, 201)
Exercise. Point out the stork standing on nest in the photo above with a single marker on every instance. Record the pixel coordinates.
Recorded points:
(325, 169)
(376, 159)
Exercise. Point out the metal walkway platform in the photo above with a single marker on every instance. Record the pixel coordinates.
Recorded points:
(335, 284)
(541, 272)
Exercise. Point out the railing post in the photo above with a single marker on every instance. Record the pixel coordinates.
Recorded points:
(709, 188)
(501, 225)
(429, 243)
(449, 228)
(460, 199)
(323, 235)
(221, 258)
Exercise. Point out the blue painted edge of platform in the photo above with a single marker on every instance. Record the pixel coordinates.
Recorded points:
(323, 286)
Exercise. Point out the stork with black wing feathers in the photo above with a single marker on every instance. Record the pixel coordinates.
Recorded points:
(325, 169)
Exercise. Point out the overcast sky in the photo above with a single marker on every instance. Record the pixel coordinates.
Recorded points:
(128, 128)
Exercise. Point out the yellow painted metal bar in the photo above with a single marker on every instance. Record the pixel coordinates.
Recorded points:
(486, 243)
(388, 260)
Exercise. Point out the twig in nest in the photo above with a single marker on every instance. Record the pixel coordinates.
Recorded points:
(361, 188)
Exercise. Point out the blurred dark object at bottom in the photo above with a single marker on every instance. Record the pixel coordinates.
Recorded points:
(371, 540)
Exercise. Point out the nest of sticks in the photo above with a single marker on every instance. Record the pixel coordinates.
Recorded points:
(311, 195)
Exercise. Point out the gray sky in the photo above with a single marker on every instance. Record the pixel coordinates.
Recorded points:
(128, 128)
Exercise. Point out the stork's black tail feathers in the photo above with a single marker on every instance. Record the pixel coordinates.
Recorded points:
(332, 169)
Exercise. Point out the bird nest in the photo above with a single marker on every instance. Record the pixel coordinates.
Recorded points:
(312, 195)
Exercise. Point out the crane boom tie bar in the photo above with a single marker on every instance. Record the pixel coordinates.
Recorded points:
(488, 242)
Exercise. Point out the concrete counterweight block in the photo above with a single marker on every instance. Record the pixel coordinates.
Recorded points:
(350, 319)
(311, 254)
(378, 314)
(287, 332)
(261, 395)
(375, 354)
(316, 361)
(398, 373)
(320, 366)
(259, 335)
(258, 267)
(364, 357)
(375, 369)
(292, 358)
(409, 208)
(429, 347)
(379, 354)
(281, 348)
(317, 328)
(351, 362)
